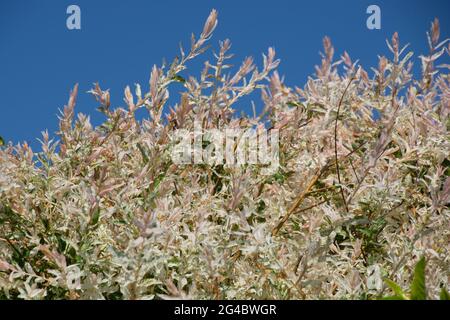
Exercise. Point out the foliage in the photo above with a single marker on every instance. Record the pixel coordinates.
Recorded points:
(104, 213)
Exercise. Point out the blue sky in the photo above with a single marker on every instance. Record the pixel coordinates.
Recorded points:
(41, 60)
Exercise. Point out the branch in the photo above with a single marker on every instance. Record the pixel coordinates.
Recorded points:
(335, 143)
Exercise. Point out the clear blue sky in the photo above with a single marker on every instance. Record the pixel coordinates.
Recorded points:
(40, 59)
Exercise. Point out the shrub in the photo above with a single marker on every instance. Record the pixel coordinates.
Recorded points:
(104, 213)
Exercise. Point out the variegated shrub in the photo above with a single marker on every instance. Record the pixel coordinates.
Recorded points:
(104, 213)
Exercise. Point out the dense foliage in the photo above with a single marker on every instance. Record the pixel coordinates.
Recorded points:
(104, 213)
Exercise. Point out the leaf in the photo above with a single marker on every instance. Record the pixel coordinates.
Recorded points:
(444, 295)
(418, 289)
(396, 288)
(143, 153)
(406, 58)
(179, 79)
(129, 99)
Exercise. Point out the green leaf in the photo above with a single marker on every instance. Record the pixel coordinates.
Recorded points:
(143, 153)
(393, 298)
(179, 79)
(418, 289)
(444, 295)
(396, 288)
(95, 216)
(293, 104)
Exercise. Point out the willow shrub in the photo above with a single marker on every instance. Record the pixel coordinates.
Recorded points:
(104, 213)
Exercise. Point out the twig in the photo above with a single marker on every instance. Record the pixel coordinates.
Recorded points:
(335, 142)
